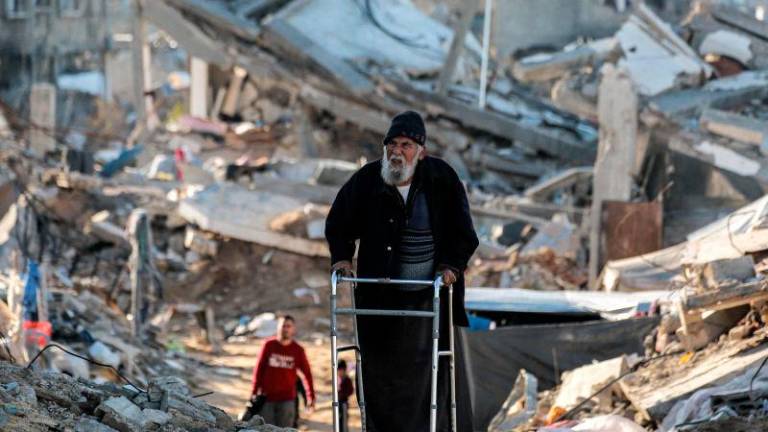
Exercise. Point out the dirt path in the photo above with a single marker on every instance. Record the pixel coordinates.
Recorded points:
(231, 381)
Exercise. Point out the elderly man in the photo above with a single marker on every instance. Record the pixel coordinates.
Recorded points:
(410, 214)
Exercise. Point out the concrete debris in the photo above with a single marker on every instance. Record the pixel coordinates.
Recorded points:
(667, 68)
(82, 405)
(234, 212)
(580, 383)
(520, 405)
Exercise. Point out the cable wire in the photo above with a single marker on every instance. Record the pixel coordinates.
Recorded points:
(54, 345)
(631, 370)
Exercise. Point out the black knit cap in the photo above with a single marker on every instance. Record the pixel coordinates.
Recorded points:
(408, 124)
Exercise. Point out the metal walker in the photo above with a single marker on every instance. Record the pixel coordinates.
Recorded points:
(336, 277)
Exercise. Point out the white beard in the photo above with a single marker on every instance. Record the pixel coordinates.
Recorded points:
(397, 175)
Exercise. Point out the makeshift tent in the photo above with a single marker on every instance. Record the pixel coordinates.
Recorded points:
(495, 357)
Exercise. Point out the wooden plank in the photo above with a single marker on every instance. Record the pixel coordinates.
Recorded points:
(735, 126)
(631, 229)
(727, 297)
(617, 112)
(283, 35)
(741, 21)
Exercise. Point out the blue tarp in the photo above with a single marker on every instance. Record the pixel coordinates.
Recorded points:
(31, 284)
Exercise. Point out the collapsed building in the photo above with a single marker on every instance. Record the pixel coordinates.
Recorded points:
(615, 175)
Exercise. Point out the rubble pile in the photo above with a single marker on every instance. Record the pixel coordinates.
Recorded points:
(617, 184)
(40, 401)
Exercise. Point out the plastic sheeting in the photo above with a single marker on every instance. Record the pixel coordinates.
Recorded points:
(495, 358)
(699, 405)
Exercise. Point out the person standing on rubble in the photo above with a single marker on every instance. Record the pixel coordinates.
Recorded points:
(275, 375)
(410, 214)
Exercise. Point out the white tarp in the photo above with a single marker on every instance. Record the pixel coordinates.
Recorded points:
(578, 302)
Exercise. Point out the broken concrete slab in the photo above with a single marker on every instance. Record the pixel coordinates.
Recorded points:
(218, 14)
(235, 212)
(723, 93)
(156, 418)
(560, 236)
(718, 272)
(749, 385)
(194, 40)
(742, 231)
(655, 398)
(655, 57)
(283, 34)
(121, 414)
(736, 126)
(581, 383)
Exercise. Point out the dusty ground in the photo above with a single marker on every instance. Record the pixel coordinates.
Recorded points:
(241, 282)
(232, 379)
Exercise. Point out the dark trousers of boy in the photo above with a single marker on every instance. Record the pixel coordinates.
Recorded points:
(343, 417)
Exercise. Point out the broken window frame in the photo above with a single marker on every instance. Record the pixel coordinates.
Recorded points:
(72, 8)
(17, 9)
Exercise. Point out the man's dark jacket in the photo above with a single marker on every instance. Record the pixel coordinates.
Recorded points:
(368, 209)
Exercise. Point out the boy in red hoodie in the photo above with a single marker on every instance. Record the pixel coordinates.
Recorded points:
(275, 375)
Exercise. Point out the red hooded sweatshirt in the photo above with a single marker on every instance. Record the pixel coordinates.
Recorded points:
(275, 371)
